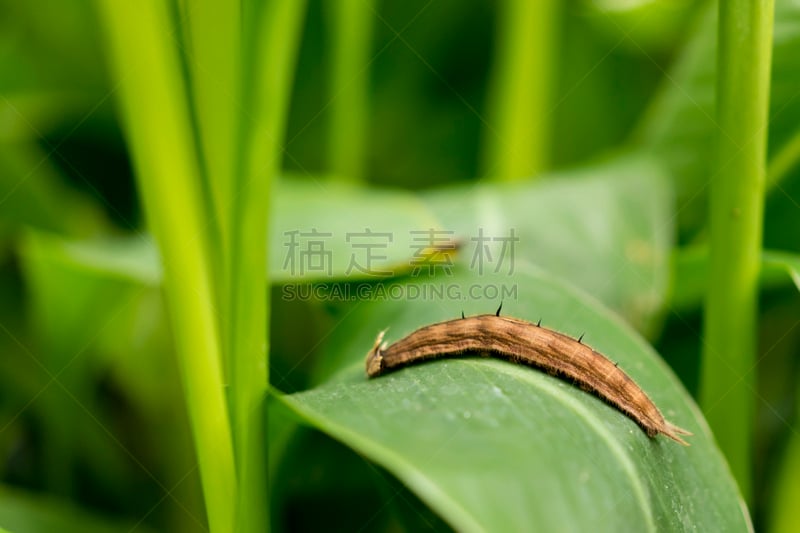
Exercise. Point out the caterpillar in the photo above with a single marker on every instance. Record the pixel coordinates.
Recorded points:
(529, 344)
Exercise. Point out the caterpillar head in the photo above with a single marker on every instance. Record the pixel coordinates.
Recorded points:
(374, 359)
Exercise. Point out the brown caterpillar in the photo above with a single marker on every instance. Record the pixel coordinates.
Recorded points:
(529, 344)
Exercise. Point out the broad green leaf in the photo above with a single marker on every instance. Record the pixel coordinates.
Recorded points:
(326, 220)
(617, 212)
(339, 212)
(606, 228)
(493, 446)
(23, 512)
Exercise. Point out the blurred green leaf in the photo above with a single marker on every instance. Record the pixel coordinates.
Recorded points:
(132, 258)
(493, 446)
(690, 274)
(615, 214)
(782, 213)
(103, 301)
(788, 261)
(339, 209)
(605, 228)
(52, 73)
(67, 309)
(643, 26)
(783, 507)
(71, 303)
(101, 310)
(680, 125)
(31, 114)
(331, 209)
(32, 193)
(23, 512)
(54, 47)
(90, 322)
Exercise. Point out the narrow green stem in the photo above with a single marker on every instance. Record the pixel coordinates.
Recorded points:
(214, 58)
(351, 31)
(270, 46)
(518, 146)
(214, 63)
(153, 98)
(737, 204)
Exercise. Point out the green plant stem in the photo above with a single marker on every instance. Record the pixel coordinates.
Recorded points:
(737, 204)
(518, 147)
(214, 61)
(214, 64)
(153, 98)
(270, 48)
(351, 32)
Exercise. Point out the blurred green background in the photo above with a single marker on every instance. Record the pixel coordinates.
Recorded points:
(94, 434)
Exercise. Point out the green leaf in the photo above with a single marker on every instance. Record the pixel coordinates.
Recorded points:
(102, 300)
(300, 207)
(690, 274)
(783, 507)
(32, 193)
(336, 209)
(680, 126)
(645, 27)
(89, 321)
(22, 512)
(124, 258)
(493, 446)
(615, 215)
(788, 261)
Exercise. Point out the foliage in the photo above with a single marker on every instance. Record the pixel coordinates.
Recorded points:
(189, 214)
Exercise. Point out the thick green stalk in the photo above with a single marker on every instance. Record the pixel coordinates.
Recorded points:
(153, 98)
(737, 204)
(270, 51)
(518, 144)
(351, 32)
